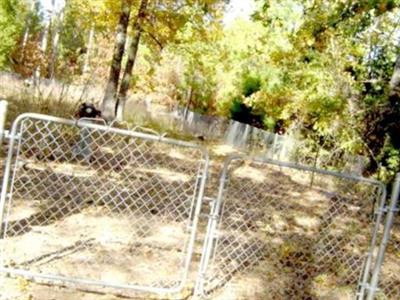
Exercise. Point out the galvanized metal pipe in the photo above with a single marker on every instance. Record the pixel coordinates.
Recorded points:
(3, 114)
(385, 239)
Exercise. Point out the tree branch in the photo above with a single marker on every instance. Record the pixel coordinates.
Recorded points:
(155, 39)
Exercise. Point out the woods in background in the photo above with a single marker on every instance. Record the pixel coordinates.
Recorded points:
(326, 68)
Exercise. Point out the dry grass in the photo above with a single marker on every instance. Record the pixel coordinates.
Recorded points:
(48, 98)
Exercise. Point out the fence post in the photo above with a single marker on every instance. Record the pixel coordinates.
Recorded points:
(386, 236)
(314, 167)
(274, 145)
(3, 113)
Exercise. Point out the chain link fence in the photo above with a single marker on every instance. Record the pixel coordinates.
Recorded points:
(87, 203)
(297, 233)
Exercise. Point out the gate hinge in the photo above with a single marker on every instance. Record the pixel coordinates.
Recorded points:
(368, 287)
(209, 200)
(8, 135)
(211, 216)
(201, 175)
(387, 209)
(214, 216)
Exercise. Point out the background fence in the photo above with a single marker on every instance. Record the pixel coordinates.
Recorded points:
(286, 147)
(59, 98)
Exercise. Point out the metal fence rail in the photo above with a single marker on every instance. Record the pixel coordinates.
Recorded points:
(389, 286)
(304, 240)
(86, 203)
(385, 280)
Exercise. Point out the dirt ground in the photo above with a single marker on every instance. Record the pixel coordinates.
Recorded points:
(144, 241)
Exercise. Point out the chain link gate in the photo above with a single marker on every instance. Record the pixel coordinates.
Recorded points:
(88, 204)
(389, 283)
(305, 233)
(385, 277)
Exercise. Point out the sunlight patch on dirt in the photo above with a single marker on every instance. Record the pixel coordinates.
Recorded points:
(250, 173)
(173, 153)
(306, 221)
(222, 150)
(166, 174)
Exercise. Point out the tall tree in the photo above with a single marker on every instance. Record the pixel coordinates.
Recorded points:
(109, 100)
(28, 24)
(57, 20)
(86, 65)
(43, 47)
(157, 24)
(132, 53)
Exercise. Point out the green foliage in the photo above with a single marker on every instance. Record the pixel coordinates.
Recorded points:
(72, 46)
(250, 85)
(269, 123)
(12, 17)
(390, 161)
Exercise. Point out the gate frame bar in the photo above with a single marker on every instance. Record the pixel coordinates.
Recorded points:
(392, 209)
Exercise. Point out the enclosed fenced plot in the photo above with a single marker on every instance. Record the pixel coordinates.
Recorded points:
(296, 232)
(89, 204)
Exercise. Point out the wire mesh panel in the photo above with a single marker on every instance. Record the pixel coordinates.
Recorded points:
(280, 231)
(89, 204)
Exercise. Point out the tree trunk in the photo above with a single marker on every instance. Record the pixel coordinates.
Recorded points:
(86, 65)
(108, 105)
(189, 98)
(43, 48)
(54, 48)
(132, 53)
(28, 25)
(395, 80)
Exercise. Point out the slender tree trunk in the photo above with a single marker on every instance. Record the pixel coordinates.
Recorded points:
(54, 48)
(108, 105)
(28, 25)
(86, 65)
(132, 53)
(395, 80)
(43, 48)
(189, 97)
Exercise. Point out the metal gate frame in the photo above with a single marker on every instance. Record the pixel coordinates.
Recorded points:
(210, 242)
(390, 210)
(7, 191)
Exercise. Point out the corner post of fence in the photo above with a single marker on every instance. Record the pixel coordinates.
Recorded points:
(314, 167)
(385, 239)
(3, 113)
